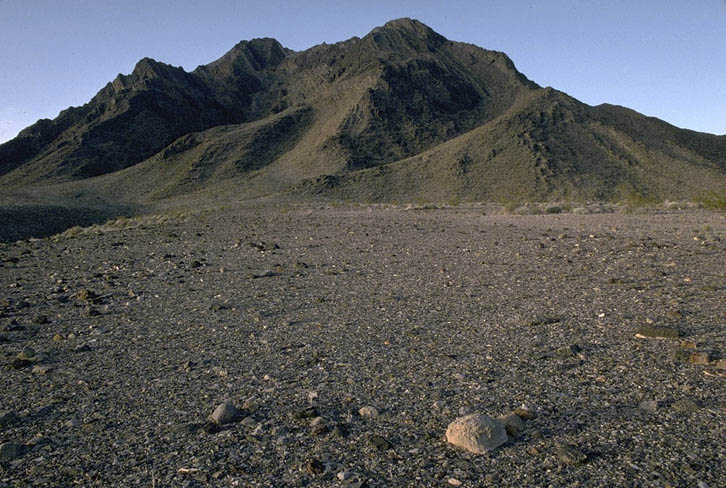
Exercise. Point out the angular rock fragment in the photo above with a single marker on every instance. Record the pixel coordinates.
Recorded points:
(225, 413)
(380, 442)
(477, 433)
(566, 352)
(525, 413)
(570, 455)
(657, 332)
(27, 354)
(41, 369)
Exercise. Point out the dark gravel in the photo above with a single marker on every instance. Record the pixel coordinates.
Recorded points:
(299, 316)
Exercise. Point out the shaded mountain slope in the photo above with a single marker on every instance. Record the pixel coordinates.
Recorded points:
(196, 161)
(547, 146)
(129, 120)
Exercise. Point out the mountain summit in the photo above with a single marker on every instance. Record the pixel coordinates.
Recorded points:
(402, 113)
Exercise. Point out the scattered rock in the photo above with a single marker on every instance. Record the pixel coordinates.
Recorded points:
(656, 332)
(27, 354)
(263, 246)
(82, 348)
(513, 424)
(225, 413)
(41, 369)
(368, 411)
(477, 433)
(570, 455)
(11, 450)
(343, 475)
(194, 473)
(566, 352)
(379, 442)
(57, 338)
(525, 413)
(454, 482)
(721, 364)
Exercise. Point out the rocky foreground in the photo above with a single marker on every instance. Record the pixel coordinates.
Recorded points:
(318, 346)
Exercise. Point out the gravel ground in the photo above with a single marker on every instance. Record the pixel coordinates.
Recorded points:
(301, 316)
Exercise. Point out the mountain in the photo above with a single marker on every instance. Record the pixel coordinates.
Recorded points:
(402, 113)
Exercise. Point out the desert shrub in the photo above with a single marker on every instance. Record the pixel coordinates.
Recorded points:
(73, 231)
(634, 199)
(553, 209)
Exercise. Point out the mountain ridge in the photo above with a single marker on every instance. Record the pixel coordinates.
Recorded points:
(400, 107)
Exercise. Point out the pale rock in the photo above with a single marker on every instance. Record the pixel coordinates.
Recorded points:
(368, 411)
(477, 433)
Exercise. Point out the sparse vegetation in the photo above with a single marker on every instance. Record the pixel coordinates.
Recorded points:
(634, 199)
(122, 223)
(712, 200)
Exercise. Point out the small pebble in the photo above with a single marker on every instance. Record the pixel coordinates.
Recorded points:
(41, 369)
(368, 412)
(27, 354)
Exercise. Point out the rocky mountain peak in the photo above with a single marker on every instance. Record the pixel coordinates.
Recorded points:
(252, 55)
(402, 35)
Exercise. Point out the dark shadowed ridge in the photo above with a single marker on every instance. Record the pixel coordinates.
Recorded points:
(400, 114)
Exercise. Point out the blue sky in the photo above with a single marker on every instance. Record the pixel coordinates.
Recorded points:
(660, 57)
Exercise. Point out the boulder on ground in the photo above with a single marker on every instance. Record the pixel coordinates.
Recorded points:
(477, 433)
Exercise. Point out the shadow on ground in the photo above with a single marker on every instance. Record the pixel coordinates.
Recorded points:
(26, 220)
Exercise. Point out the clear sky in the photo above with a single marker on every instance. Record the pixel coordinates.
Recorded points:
(663, 58)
